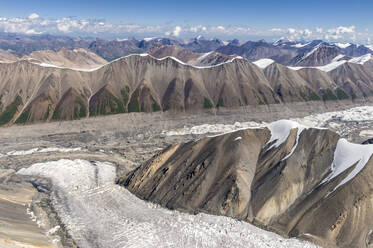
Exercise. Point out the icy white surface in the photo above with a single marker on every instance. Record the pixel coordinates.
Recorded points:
(42, 150)
(311, 52)
(300, 45)
(149, 39)
(364, 133)
(200, 58)
(280, 131)
(361, 60)
(119, 39)
(336, 62)
(342, 45)
(68, 68)
(347, 155)
(213, 128)
(99, 213)
(358, 114)
(338, 57)
(333, 120)
(263, 63)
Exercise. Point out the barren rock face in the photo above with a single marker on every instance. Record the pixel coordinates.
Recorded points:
(311, 184)
(31, 91)
(78, 58)
(132, 84)
(7, 57)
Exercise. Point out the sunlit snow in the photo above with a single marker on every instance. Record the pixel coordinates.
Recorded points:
(263, 63)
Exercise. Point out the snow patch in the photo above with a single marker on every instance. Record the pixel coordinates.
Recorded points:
(342, 45)
(338, 57)
(202, 57)
(347, 155)
(42, 150)
(336, 62)
(263, 63)
(300, 45)
(149, 39)
(311, 52)
(212, 128)
(364, 133)
(361, 60)
(331, 66)
(280, 131)
(53, 230)
(120, 40)
(323, 120)
(238, 138)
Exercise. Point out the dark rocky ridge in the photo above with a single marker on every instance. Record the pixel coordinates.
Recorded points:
(237, 175)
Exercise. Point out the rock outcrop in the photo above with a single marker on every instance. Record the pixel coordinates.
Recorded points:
(300, 182)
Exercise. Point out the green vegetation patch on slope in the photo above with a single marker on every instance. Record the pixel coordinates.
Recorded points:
(125, 92)
(10, 111)
(107, 104)
(207, 103)
(81, 111)
(341, 94)
(221, 103)
(328, 95)
(155, 105)
(134, 105)
(24, 117)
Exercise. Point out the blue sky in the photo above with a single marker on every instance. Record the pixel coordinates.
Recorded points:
(268, 19)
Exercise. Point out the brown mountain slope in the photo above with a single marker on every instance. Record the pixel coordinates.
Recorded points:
(355, 79)
(289, 84)
(280, 186)
(78, 58)
(133, 84)
(31, 92)
(7, 57)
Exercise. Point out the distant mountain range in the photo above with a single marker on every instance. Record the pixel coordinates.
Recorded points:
(282, 51)
(174, 76)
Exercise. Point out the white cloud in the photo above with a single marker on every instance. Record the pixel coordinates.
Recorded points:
(291, 30)
(34, 24)
(32, 31)
(176, 31)
(221, 28)
(276, 30)
(33, 16)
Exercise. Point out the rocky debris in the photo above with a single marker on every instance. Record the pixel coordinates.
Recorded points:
(367, 142)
